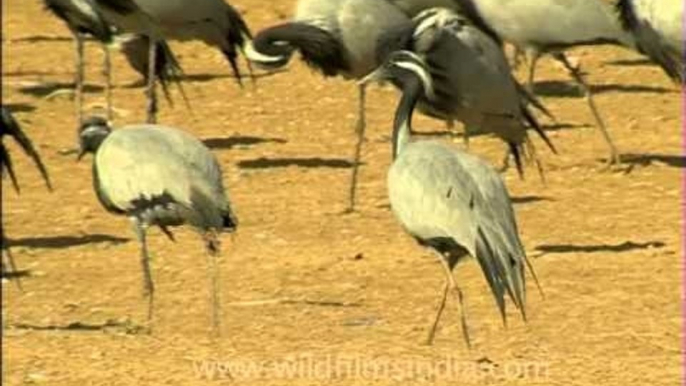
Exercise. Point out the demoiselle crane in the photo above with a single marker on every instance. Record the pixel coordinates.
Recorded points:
(450, 201)
(540, 27)
(83, 19)
(657, 26)
(160, 176)
(472, 80)
(213, 22)
(336, 37)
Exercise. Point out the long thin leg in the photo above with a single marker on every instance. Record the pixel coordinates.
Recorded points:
(533, 60)
(212, 259)
(107, 69)
(575, 72)
(531, 151)
(458, 296)
(79, 77)
(518, 57)
(148, 285)
(450, 126)
(151, 92)
(506, 160)
(439, 313)
(359, 130)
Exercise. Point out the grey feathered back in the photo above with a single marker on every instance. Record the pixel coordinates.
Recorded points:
(152, 161)
(357, 24)
(552, 24)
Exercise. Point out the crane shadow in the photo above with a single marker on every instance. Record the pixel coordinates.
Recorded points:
(562, 89)
(239, 140)
(199, 78)
(44, 89)
(42, 38)
(560, 126)
(58, 242)
(126, 326)
(210, 77)
(316, 162)
(36, 73)
(671, 160)
(20, 107)
(13, 275)
(630, 62)
(529, 199)
(634, 88)
(616, 248)
(202, 78)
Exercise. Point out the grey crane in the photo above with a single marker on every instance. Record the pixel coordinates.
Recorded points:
(472, 80)
(9, 127)
(657, 28)
(214, 22)
(539, 27)
(336, 37)
(450, 201)
(160, 176)
(83, 19)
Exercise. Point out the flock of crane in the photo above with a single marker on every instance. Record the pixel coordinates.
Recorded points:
(445, 56)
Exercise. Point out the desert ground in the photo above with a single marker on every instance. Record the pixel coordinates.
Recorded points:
(311, 295)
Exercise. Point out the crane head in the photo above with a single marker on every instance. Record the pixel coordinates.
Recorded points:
(91, 134)
(399, 68)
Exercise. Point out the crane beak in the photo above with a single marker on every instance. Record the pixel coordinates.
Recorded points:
(82, 152)
(378, 75)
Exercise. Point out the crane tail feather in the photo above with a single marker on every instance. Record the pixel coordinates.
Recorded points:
(502, 267)
(6, 164)
(237, 35)
(11, 128)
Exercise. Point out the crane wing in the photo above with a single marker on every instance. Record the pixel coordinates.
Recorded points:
(438, 192)
(143, 166)
(432, 195)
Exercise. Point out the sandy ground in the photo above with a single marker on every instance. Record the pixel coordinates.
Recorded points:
(311, 296)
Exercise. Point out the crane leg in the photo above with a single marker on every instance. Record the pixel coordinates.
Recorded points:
(360, 127)
(148, 285)
(518, 57)
(107, 69)
(575, 73)
(531, 151)
(506, 161)
(450, 126)
(10, 261)
(533, 60)
(439, 313)
(78, 40)
(151, 92)
(213, 265)
(452, 286)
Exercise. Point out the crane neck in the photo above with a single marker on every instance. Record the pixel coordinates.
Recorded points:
(412, 89)
(319, 48)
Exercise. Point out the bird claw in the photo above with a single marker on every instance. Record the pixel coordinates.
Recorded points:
(614, 164)
(349, 210)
